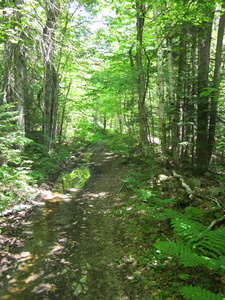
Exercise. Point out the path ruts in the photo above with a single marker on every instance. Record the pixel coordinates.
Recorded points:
(72, 247)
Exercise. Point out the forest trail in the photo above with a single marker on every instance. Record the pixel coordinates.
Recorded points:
(72, 247)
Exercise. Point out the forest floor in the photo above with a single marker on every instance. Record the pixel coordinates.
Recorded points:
(70, 245)
(88, 243)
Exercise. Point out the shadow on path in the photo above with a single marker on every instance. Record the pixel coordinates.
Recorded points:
(71, 248)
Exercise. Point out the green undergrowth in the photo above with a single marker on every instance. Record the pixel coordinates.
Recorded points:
(27, 164)
(74, 179)
(46, 164)
(15, 178)
(21, 178)
(178, 255)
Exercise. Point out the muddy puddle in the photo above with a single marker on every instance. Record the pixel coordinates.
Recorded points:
(72, 246)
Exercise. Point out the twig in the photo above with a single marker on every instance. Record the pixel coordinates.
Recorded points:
(120, 189)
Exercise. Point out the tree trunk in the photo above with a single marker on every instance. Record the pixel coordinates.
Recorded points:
(181, 81)
(19, 92)
(174, 112)
(8, 73)
(132, 100)
(20, 73)
(192, 91)
(202, 162)
(216, 83)
(142, 89)
(160, 84)
(61, 122)
(51, 76)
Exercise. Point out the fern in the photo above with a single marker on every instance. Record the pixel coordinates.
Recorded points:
(211, 242)
(195, 246)
(187, 229)
(193, 213)
(169, 214)
(202, 240)
(197, 293)
(184, 253)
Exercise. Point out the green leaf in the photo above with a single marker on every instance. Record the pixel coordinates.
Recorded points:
(78, 290)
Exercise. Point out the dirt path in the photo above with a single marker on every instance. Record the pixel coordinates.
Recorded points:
(72, 247)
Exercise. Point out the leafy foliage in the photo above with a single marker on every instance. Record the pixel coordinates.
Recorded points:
(14, 171)
(76, 178)
(197, 293)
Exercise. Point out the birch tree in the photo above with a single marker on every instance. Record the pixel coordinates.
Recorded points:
(160, 83)
(216, 83)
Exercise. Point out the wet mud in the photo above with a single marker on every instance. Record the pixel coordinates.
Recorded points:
(72, 246)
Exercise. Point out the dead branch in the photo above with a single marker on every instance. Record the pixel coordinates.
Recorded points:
(184, 185)
(216, 222)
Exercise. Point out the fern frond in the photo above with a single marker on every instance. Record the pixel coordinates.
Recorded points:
(170, 214)
(197, 293)
(184, 253)
(169, 248)
(204, 241)
(211, 243)
(181, 251)
(190, 259)
(187, 229)
(193, 213)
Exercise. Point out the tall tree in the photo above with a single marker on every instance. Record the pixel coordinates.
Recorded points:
(203, 98)
(51, 76)
(160, 83)
(174, 109)
(216, 83)
(20, 68)
(141, 9)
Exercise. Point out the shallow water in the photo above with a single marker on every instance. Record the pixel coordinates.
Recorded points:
(72, 247)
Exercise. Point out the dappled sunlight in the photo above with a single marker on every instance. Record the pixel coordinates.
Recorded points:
(24, 261)
(31, 278)
(55, 248)
(43, 287)
(56, 197)
(92, 196)
(71, 241)
(108, 155)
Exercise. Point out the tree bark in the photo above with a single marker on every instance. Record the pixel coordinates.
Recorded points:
(216, 83)
(202, 162)
(181, 82)
(20, 73)
(61, 122)
(8, 73)
(132, 100)
(142, 89)
(51, 76)
(160, 84)
(174, 114)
